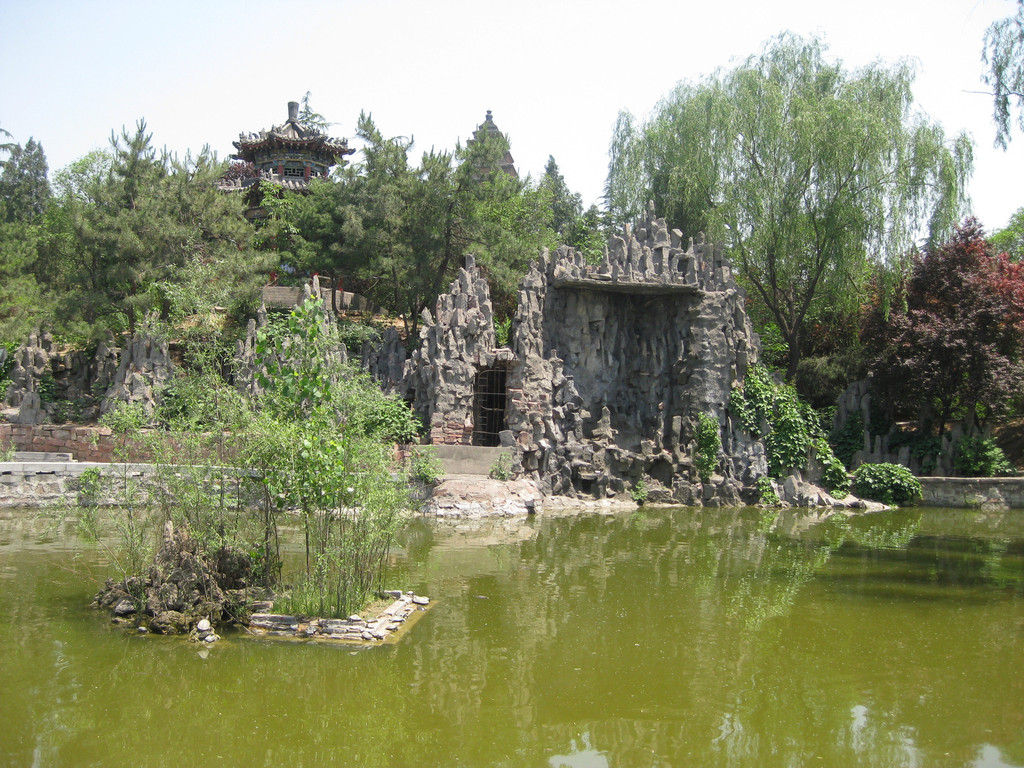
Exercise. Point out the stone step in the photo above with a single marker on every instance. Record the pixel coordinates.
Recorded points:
(468, 459)
(41, 456)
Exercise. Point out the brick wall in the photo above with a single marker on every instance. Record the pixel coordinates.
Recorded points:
(83, 443)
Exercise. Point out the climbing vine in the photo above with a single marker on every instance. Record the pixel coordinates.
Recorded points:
(789, 427)
(708, 444)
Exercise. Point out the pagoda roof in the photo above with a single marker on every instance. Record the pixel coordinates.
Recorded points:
(290, 135)
(489, 128)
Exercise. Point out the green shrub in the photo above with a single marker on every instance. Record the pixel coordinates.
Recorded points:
(923, 447)
(425, 466)
(849, 439)
(981, 457)
(820, 380)
(47, 388)
(502, 467)
(887, 483)
(766, 492)
(503, 331)
(708, 444)
(833, 471)
(90, 483)
(391, 419)
(639, 491)
(5, 367)
(774, 350)
(354, 335)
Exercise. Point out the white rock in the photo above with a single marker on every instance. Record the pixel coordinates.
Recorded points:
(204, 625)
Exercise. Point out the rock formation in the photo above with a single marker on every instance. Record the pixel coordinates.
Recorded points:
(609, 368)
(49, 384)
(183, 588)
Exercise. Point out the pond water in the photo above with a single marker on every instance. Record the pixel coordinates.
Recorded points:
(662, 637)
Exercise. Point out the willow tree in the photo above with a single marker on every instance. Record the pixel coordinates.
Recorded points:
(1003, 56)
(804, 170)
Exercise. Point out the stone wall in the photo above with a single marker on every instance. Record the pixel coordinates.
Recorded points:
(455, 345)
(984, 492)
(39, 484)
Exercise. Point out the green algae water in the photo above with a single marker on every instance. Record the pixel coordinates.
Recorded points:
(658, 638)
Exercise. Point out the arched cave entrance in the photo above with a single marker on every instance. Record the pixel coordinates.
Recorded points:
(489, 400)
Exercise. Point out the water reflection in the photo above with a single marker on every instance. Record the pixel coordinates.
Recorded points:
(580, 755)
(658, 638)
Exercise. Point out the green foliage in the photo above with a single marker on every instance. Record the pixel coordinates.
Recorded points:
(502, 467)
(47, 388)
(90, 486)
(981, 457)
(9, 348)
(22, 303)
(1003, 55)
(800, 167)
(355, 334)
(639, 491)
(833, 471)
(849, 439)
(425, 466)
(200, 400)
(923, 446)
(131, 548)
(24, 194)
(709, 442)
(774, 350)
(887, 483)
(400, 229)
(299, 356)
(502, 330)
(820, 380)
(24, 189)
(766, 492)
(317, 441)
(391, 419)
(789, 427)
(131, 231)
(1010, 239)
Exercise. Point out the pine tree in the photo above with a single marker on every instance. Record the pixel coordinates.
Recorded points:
(24, 188)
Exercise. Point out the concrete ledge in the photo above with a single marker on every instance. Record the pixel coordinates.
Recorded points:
(36, 484)
(991, 492)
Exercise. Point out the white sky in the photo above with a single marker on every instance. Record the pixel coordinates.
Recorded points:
(554, 72)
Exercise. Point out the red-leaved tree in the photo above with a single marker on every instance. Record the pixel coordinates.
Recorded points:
(956, 346)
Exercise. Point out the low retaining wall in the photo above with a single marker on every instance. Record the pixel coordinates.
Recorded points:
(83, 443)
(37, 484)
(972, 492)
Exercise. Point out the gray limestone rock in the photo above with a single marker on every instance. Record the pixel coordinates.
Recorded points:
(609, 367)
